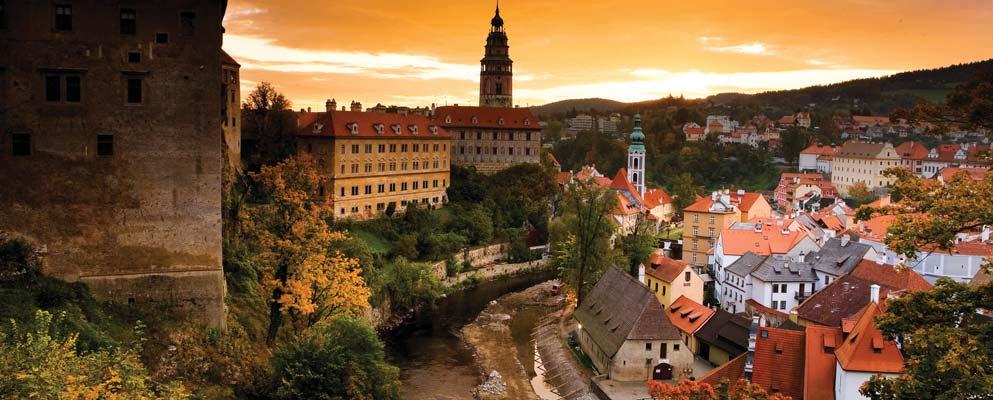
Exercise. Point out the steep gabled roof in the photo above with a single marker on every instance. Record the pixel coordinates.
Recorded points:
(656, 197)
(622, 184)
(731, 371)
(778, 361)
(912, 150)
(819, 362)
(664, 268)
(866, 350)
(620, 308)
(836, 301)
(725, 331)
(687, 315)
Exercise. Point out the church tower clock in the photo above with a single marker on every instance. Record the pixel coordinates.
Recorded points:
(496, 69)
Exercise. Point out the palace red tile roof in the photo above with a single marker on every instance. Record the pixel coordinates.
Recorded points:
(866, 349)
(819, 362)
(486, 117)
(778, 362)
(367, 125)
(820, 150)
(771, 240)
(687, 315)
(661, 267)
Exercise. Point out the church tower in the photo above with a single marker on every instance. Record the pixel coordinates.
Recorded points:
(636, 157)
(496, 73)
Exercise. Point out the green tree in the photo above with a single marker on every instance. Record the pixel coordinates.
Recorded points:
(684, 192)
(581, 249)
(638, 245)
(269, 123)
(795, 140)
(340, 359)
(410, 284)
(947, 345)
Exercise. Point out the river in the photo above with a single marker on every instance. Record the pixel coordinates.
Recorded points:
(434, 363)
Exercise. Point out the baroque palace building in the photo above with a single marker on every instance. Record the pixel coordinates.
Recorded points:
(495, 135)
(374, 159)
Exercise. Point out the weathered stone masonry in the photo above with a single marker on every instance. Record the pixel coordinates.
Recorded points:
(110, 145)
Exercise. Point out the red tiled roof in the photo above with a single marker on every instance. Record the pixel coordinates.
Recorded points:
(656, 197)
(820, 150)
(978, 174)
(771, 240)
(778, 361)
(871, 119)
(731, 371)
(689, 131)
(664, 268)
(889, 277)
(563, 177)
(688, 315)
(912, 150)
(866, 350)
(819, 363)
(744, 203)
(763, 309)
(486, 117)
(841, 299)
(366, 123)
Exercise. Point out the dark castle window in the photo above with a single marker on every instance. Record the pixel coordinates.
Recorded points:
(105, 145)
(129, 21)
(186, 23)
(21, 144)
(499, 88)
(63, 18)
(54, 85)
(3, 14)
(161, 38)
(134, 57)
(134, 91)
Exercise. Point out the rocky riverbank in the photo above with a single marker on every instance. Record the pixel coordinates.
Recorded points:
(494, 348)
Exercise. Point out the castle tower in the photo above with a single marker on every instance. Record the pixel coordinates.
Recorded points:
(636, 157)
(496, 69)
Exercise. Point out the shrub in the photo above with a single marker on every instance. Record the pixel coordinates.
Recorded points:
(406, 246)
(342, 359)
(410, 284)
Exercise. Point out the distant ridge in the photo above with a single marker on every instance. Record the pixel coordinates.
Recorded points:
(580, 105)
(874, 95)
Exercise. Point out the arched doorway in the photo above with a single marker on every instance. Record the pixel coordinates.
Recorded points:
(662, 372)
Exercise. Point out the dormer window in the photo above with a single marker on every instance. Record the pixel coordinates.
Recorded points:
(412, 129)
(353, 128)
(475, 120)
(448, 119)
(433, 129)
(527, 122)
(318, 127)
(380, 128)
(395, 128)
(500, 121)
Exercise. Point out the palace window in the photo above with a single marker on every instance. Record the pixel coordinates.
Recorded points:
(134, 57)
(162, 38)
(129, 19)
(63, 88)
(187, 23)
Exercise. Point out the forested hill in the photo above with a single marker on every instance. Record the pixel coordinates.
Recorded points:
(578, 105)
(877, 95)
(862, 96)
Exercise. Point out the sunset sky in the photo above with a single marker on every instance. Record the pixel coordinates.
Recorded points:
(419, 52)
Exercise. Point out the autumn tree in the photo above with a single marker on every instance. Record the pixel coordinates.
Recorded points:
(726, 390)
(581, 238)
(859, 194)
(947, 345)
(308, 277)
(43, 362)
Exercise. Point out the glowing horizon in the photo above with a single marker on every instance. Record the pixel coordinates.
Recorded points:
(415, 54)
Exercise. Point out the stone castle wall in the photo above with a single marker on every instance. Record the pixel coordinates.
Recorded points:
(142, 225)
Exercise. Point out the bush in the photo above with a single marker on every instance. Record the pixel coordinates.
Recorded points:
(343, 359)
(18, 259)
(410, 284)
(452, 267)
(406, 246)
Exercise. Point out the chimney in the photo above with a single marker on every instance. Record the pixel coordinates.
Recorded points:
(308, 109)
(874, 293)
(985, 236)
(356, 106)
(328, 106)
(741, 192)
(752, 337)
